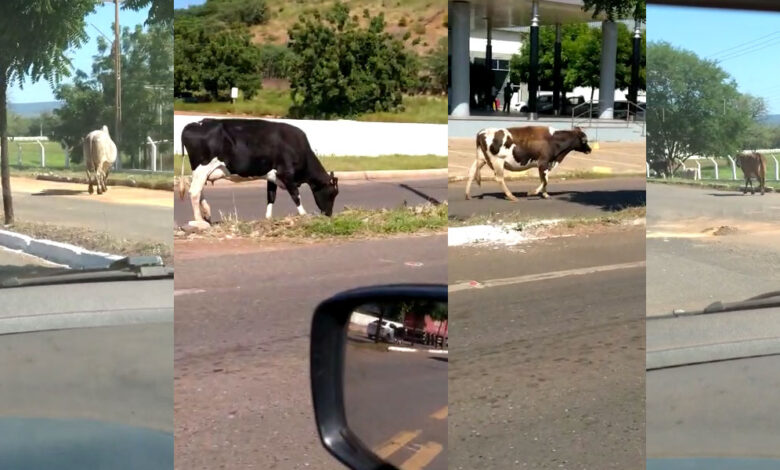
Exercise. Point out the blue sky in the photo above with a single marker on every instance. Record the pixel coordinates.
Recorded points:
(747, 42)
(185, 3)
(103, 19)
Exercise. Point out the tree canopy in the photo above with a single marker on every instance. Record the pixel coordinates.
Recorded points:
(344, 69)
(34, 35)
(580, 58)
(696, 108)
(616, 9)
(147, 72)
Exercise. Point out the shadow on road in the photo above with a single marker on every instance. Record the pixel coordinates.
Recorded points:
(609, 201)
(731, 194)
(442, 359)
(60, 192)
(428, 198)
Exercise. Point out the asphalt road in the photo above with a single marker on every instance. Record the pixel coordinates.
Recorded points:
(396, 402)
(241, 345)
(687, 269)
(567, 198)
(544, 372)
(249, 199)
(131, 221)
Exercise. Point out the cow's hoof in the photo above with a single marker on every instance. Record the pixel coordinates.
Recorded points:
(512, 198)
(199, 224)
(91, 190)
(468, 197)
(545, 196)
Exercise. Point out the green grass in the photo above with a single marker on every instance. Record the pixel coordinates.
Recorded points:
(276, 103)
(382, 162)
(94, 240)
(348, 224)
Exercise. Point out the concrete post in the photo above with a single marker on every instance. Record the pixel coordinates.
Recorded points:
(459, 15)
(608, 64)
(533, 79)
(557, 71)
(153, 147)
(43, 154)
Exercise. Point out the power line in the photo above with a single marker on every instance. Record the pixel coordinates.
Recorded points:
(749, 51)
(742, 44)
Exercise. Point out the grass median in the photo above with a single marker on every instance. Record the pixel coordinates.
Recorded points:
(94, 240)
(347, 224)
(357, 163)
(275, 103)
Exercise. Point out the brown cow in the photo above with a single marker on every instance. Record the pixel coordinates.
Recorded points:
(753, 165)
(522, 148)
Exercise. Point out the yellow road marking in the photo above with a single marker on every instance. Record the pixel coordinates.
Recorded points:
(422, 457)
(392, 445)
(441, 414)
(601, 169)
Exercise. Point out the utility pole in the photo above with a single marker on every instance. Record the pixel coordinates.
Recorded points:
(118, 69)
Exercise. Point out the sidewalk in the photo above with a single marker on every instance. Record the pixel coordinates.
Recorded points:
(618, 158)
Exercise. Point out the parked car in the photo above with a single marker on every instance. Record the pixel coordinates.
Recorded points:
(386, 331)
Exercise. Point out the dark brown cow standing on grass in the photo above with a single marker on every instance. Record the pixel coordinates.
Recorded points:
(522, 148)
(753, 165)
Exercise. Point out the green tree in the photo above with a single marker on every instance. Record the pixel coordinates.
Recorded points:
(34, 35)
(85, 108)
(580, 58)
(147, 73)
(435, 74)
(160, 11)
(275, 61)
(211, 62)
(696, 108)
(616, 9)
(343, 69)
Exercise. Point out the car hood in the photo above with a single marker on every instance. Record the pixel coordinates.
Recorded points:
(709, 463)
(74, 444)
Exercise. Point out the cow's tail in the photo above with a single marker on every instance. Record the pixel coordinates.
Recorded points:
(181, 177)
(762, 170)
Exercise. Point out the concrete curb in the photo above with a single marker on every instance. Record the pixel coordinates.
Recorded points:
(56, 252)
(111, 182)
(429, 351)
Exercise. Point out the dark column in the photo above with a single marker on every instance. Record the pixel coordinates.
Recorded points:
(533, 82)
(634, 89)
(557, 82)
(489, 61)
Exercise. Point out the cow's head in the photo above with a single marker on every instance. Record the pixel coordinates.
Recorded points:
(581, 141)
(326, 194)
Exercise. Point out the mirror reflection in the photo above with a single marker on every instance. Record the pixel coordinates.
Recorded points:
(395, 381)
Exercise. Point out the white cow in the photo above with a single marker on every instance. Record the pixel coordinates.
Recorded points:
(99, 155)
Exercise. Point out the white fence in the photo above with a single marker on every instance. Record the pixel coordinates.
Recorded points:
(692, 167)
(355, 138)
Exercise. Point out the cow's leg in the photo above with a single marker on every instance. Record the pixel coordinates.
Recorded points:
(271, 197)
(498, 168)
(472, 173)
(543, 171)
(199, 176)
(99, 181)
(288, 181)
(89, 182)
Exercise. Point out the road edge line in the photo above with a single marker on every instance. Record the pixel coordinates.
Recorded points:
(508, 281)
(56, 252)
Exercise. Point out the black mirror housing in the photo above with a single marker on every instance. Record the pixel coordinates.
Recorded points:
(327, 356)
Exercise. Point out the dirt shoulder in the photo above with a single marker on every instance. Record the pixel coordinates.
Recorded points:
(115, 194)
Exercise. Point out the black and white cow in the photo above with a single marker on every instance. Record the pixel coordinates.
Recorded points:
(248, 149)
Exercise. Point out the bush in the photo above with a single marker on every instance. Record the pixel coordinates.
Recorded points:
(343, 69)
(419, 28)
(248, 12)
(276, 61)
(402, 22)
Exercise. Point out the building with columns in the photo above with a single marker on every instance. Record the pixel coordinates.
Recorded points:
(491, 31)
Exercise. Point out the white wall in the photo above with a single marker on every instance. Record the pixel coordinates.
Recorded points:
(355, 138)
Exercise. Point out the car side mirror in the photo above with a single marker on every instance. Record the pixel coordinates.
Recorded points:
(368, 346)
